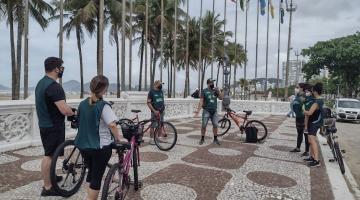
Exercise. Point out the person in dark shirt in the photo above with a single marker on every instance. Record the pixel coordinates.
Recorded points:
(314, 124)
(156, 104)
(208, 101)
(51, 110)
(299, 120)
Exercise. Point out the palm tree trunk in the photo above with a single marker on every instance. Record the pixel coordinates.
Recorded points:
(123, 46)
(235, 53)
(81, 63)
(117, 64)
(13, 59)
(151, 66)
(146, 42)
(257, 45)
(212, 39)
(175, 51)
(200, 45)
(162, 40)
(217, 76)
(130, 44)
(61, 24)
(169, 83)
(26, 50)
(267, 50)
(187, 82)
(101, 38)
(278, 56)
(141, 60)
(18, 53)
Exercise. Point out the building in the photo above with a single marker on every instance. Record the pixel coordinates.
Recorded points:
(295, 72)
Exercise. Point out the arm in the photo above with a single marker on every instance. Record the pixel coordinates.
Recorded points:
(313, 108)
(115, 131)
(150, 106)
(64, 108)
(110, 118)
(201, 102)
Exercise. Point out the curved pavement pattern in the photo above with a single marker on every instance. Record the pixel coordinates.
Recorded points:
(234, 170)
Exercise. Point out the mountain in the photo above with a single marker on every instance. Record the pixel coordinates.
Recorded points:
(4, 87)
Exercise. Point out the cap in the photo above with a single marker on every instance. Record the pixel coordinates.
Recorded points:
(210, 80)
(158, 82)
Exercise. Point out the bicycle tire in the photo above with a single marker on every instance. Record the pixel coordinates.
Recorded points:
(124, 184)
(224, 126)
(339, 157)
(158, 140)
(69, 168)
(135, 168)
(260, 137)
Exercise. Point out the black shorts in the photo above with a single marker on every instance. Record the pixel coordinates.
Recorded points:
(51, 138)
(313, 129)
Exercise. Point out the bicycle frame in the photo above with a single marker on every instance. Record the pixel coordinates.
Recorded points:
(144, 122)
(125, 159)
(236, 118)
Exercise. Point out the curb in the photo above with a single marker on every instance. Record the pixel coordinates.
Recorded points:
(343, 186)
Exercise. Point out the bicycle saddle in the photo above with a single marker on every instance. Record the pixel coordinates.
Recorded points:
(135, 111)
(121, 146)
(248, 112)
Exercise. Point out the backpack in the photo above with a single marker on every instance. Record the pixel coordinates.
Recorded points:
(251, 134)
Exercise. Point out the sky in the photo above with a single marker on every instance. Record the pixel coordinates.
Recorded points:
(313, 21)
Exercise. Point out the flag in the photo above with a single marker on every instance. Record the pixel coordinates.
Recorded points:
(272, 9)
(282, 12)
(242, 5)
(262, 6)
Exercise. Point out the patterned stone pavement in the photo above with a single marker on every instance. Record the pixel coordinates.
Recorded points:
(234, 170)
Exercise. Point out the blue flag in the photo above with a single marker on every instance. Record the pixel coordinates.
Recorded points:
(262, 6)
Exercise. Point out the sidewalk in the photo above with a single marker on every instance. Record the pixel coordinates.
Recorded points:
(234, 170)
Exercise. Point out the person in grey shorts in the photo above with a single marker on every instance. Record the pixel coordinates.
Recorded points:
(208, 101)
(156, 104)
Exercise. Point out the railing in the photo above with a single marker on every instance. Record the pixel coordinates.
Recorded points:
(19, 123)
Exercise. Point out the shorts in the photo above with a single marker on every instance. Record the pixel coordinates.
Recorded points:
(205, 119)
(51, 138)
(313, 129)
(96, 162)
(155, 124)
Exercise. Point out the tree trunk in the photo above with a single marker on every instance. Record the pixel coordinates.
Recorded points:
(217, 76)
(117, 65)
(13, 59)
(168, 85)
(18, 52)
(171, 77)
(26, 50)
(141, 59)
(81, 63)
(234, 81)
(187, 81)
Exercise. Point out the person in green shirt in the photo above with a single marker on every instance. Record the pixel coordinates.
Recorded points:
(51, 109)
(208, 101)
(314, 124)
(299, 120)
(156, 104)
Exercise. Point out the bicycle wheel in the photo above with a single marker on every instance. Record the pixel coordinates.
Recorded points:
(165, 136)
(224, 126)
(261, 128)
(135, 168)
(116, 184)
(339, 157)
(70, 169)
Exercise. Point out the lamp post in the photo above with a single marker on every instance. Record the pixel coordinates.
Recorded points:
(226, 73)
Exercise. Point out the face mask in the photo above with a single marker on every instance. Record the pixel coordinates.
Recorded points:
(60, 74)
(160, 87)
(297, 90)
(308, 94)
(212, 86)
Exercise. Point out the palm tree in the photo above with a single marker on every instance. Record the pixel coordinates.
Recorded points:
(80, 18)
(237, 56)
(14, 12)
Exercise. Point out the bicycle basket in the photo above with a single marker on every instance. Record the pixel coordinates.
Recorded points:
(129, 131)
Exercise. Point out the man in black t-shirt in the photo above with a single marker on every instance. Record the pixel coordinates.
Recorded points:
(51, 110)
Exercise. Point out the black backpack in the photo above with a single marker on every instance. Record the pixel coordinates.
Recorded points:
(251, 134)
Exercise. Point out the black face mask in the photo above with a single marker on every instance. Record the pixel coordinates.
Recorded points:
(212, 86)
(60, 74)
(160, 87)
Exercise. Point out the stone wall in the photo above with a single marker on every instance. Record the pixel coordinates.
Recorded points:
(19, 129)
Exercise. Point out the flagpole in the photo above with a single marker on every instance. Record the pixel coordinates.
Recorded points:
(291, 10)
(187, 81)
(146, 43)
(278, 57)
(162, 39)
(224, 38)
(175, 50)
(200, 46)
(257, 44)
(267, 49)
(130, 44)
(212, 40)
(61, 36)
(246, 27)
(235, 64)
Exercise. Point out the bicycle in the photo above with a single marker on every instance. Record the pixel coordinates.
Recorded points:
(165, 134)
(117, 181)
(328, 132)
(242, 122)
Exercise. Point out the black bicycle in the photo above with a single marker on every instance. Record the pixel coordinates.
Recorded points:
(329, 131)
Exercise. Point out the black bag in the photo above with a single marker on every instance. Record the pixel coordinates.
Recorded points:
(251, 134)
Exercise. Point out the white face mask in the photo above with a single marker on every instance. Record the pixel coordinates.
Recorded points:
(297, 90)
(308, 94)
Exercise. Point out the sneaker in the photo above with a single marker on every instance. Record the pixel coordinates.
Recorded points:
(305, 154)
(314, 163)
(59, 178)
(49, 192)
(309, 159)
(201, 142)
(152, 142)
(296, 150)
(216, 141)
